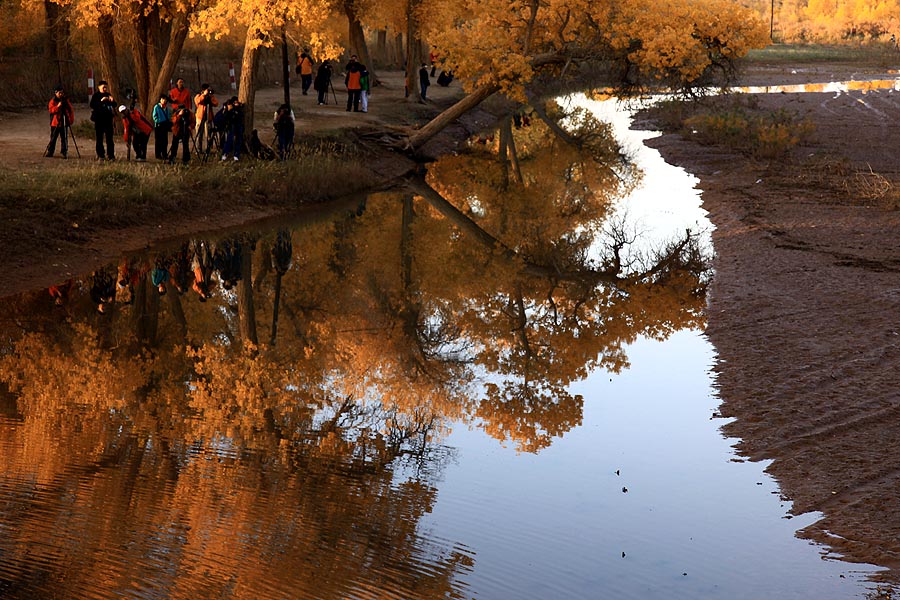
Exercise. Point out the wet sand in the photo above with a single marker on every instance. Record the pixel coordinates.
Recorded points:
(804, 311)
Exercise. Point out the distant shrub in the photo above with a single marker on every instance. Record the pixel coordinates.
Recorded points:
(769, 135)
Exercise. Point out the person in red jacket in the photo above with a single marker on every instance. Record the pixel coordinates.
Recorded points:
(180, 96)
(62, 115)
(137, 131)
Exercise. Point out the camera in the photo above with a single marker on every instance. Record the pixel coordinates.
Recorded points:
(209, 91)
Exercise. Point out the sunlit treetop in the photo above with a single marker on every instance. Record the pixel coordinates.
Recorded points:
(508, 42)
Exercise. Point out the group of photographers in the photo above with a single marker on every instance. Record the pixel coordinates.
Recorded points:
(173, 112)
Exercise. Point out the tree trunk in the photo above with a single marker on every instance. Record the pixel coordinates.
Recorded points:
(57, 49)
(413, 52)
(436, 125)
(140, 44)
(381, 46)
(358, 44)
(247, 85)
(246, 308)
(399, 50)
(180, 26)
(285, 66)
(109, 68)
(503, 153)
(512, 153)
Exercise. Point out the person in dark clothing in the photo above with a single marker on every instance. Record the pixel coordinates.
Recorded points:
(323, 81)
(424, 80)
(103, 110)
(230, 120)
(62, 115)
(284, 130)
(182, 125)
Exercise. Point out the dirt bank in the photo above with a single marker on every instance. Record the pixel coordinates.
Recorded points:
(803, 309)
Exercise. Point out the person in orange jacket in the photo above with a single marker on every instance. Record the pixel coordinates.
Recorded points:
(206, 102)
(137, 131)
(182, 126)
(62, 115)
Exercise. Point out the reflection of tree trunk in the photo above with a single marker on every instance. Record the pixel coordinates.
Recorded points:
(109, 68)
(406, 243)
(275, 305)
(503, 155)
(555, 127)
(264, 266)
(513, 154)
(472, 229)
(176, 309)
(246, 309)
(145, 311)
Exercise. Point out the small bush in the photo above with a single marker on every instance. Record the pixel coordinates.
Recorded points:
(762, 136)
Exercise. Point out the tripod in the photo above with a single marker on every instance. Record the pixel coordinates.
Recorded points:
(333, 95)
(67, 134)
(212, 139)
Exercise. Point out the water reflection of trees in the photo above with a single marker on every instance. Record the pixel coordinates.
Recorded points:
(302, 396)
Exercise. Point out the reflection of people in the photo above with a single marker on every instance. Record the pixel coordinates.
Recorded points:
(103, 290)
(162, 119)
(138, 129)
(206, 102)
(60, 292)
(323, 80)
(305, 69)
(103, 107)
(182, 125)
(202, 265)
(62, 115)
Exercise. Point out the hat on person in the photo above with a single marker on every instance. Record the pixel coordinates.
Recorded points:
(123, 108)
(58, 88)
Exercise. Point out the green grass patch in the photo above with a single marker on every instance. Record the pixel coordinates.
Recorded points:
(791, 54)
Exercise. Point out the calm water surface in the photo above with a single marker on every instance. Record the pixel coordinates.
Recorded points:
(428, 425)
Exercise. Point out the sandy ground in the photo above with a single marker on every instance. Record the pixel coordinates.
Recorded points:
(804, 311)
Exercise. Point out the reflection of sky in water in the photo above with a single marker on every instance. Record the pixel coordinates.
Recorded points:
(693, 523)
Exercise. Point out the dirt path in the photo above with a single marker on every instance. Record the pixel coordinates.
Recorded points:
(803, 315)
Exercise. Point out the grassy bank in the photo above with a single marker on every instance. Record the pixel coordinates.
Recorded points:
(870, 54)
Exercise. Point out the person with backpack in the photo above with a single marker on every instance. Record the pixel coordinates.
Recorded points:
(182, 126)
(305, 70)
